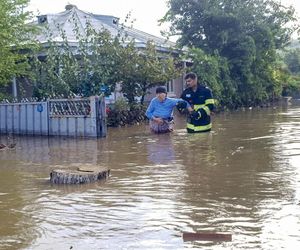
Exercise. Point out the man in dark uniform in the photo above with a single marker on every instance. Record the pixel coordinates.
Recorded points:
(201, 100)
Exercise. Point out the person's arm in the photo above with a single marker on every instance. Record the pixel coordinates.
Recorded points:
(206, 109)
(175, 101)
(190, 109)
(210, 102)
(182, 104)
(188, 106)
(150, 110)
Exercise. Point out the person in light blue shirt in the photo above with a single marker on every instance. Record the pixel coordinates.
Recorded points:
(160, 111)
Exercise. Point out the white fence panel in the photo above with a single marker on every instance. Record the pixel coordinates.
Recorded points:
(62, 117)
(24, 118)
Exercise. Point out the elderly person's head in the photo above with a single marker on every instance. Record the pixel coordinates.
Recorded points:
(161, 93)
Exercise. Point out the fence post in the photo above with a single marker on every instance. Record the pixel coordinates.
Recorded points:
(102, 117)
(98, 115)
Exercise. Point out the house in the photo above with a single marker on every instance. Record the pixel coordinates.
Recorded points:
(63, 20)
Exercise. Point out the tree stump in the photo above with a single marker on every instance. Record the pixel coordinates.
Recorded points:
(78, 176)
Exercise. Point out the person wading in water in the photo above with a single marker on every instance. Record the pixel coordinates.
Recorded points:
(201, 100)
(160, 111)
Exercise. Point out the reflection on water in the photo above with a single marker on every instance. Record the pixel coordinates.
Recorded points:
(160, 149)
(242, 178)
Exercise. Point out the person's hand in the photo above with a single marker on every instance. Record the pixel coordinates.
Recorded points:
(181, 106)
(158, 120)
(196, 115)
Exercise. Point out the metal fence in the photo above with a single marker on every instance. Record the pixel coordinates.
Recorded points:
(61, 117)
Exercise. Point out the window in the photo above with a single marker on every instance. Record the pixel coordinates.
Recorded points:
(170, 86)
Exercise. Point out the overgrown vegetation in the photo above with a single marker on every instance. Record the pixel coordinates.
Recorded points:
(122, 113)
(290, 60)
(16, 41)
(98, 63)
(233, 46)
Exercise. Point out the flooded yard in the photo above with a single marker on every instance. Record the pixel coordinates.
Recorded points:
(242, 178)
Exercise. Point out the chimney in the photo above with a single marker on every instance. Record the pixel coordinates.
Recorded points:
(70, 6)
(42, 19)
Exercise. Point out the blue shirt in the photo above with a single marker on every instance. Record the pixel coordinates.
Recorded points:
(162, 109)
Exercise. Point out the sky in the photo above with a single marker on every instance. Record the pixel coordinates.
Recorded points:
(146, 13)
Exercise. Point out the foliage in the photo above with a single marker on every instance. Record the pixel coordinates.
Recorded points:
(289, 62)
(214, 24)
(15, 40)
(122, 113)
(144, 70)
(99, 62)
(292, 87)
(86, 70)
(209, 66)
(292, 59)
(244, 35)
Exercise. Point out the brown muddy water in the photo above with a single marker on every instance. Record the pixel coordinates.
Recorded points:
(242, 178)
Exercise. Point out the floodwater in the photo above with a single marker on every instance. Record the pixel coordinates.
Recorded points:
(242, 178)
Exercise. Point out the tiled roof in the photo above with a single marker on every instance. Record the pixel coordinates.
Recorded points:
(65, 21)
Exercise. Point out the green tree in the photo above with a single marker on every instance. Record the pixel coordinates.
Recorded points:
(292, 59)
(144, 69)
(100, 60)
(213, 71)
(245, 33)
(211, 25)
(83, 70)
(15, 40)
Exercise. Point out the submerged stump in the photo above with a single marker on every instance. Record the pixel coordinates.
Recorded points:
(80, 175)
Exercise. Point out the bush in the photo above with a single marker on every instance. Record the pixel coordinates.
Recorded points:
(121, 113)
(292, 88)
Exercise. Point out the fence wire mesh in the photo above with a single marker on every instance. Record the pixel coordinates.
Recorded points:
(69, 107)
